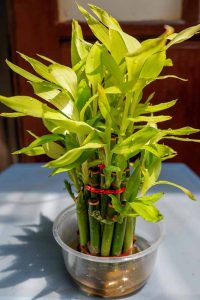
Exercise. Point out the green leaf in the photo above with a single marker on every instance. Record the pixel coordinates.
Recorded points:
(47, 59)
(53, 150)
(159, 150)
(23, 72)
(87, 104)
(153, 119)
(65, 125)
(64, 103)
(68, 187)
(24, 104)
(39, 142)
(72, 155)
(133, 184)
(98, 29)
(144, 109)
(183, 189)
(39, 67)
(133, 144)
(153, 65)
(147, 211)
(105, 18)
(137, 59)
(78, 48)
(181, 139)
(151, 172)
(34, 151)
(12, 115)
(84, 156)
(83, 95)
(60, 100)
(44, 89)
(114, 70)
(118, 47)
(181, 131)
(64, 77)
(169, 76)
(94, 66)
(183, 35)
(104, 105)
(150, 198)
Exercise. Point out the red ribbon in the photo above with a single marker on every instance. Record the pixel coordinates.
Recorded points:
(103, 191)
(101, 166)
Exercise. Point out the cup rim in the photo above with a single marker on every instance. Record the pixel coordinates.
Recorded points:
(71, 209)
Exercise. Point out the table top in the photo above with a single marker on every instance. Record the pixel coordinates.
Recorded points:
(31, 264)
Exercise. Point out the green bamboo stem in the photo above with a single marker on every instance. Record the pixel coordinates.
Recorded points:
(107, 233)
(93, 205)
(129, 233)
(118, 238)
(82, 219)
(95, 241)
(120, 228)
(104, 198)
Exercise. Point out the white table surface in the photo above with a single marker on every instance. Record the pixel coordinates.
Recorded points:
(31, 265)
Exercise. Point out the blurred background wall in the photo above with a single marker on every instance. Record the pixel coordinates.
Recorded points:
(35, 26)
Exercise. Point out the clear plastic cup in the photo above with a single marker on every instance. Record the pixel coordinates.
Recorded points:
(108, 276)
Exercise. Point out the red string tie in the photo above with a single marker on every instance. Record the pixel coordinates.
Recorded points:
(104, 191)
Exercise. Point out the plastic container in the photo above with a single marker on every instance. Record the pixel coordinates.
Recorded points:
(108, 276)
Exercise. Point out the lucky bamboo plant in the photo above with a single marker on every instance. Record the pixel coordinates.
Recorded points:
(103, 132)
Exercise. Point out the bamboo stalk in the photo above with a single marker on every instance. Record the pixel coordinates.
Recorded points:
(82, 219)
(129, 233)
(118, 238)
(107, 233)
(94, 245)
(120, 228)
(93, 205)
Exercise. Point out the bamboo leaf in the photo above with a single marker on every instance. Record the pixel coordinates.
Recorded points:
(66, 125)
(104, 105)
(153, 65)
(24, 104)
(150, 198)
(39, 67)
(151, 172)
(181, 139)
(53, 150)
(183, 189)
(23, 72)
(144, 109)
(181, 131)
(105, 18)
(98, 29)
(183, 35)
(72, 155)
(39, 142)
(79, 50)
(159, 150)
(12, 115)
(114, 70)
(133, 184)
(35, 151)
(133, 144)
(87, 104)
(118, 47)
(94, 66)
(153, 119)
(147, 211)
(64, 77)
(84, 156)
(47, 59)
(83, 95)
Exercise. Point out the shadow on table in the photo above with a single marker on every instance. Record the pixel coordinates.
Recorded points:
(38, 256)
